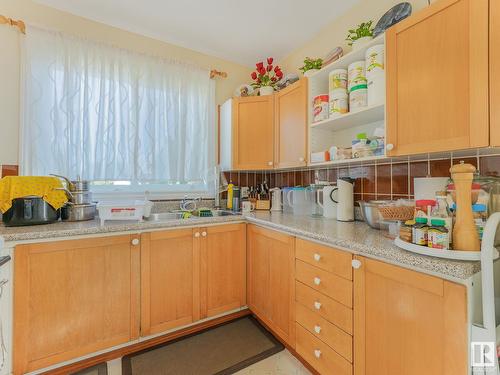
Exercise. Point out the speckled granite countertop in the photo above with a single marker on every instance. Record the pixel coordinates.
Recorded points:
(356, 237)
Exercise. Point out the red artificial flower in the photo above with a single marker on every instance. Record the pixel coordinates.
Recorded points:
(262, 70)
(279, 74)
(254, 75)
(276, 69)
(269, 60)
(269, 68)
(274, 79)
(259, 65)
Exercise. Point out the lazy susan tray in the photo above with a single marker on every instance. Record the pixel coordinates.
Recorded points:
(447, 254)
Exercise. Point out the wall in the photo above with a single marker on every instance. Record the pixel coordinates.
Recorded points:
(335, 33)
(39, 15)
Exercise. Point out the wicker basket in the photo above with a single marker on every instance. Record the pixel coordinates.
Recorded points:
(397, 213)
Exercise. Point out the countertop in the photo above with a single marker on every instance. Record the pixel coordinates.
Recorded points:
(356, 237)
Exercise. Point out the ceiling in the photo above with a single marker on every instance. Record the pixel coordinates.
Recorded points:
(242, 31)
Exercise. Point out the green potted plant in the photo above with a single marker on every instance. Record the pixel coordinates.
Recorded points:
(361, 35)
(266, 77)
(311, 66)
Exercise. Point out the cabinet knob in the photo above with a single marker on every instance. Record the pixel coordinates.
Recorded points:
(317, 281)
(356, 264)
(197, 234)
(301, 159)
(317, 257)
(203, 234)
(317, 329)
(135, 241)
(317, 305)
(389, 147)
(317, 353)
(270, 163)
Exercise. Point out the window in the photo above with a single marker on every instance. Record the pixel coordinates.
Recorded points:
(126, 121)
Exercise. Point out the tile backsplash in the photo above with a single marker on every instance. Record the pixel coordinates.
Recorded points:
(384, 180)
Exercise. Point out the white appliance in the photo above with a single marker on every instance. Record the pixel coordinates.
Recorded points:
(276, 203)
(6, 302)
(345, 205)
(300, 200)
(329, 205)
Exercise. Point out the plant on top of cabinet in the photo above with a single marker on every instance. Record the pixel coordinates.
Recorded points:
(311, 65)
(362, 34)
(266, 77)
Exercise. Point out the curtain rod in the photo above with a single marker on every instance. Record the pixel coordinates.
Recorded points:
(9, 21)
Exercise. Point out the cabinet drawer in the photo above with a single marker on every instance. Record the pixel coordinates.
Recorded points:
(319, 355)
(324, 257)
(328, 308)
(330, 334)
(327, 283)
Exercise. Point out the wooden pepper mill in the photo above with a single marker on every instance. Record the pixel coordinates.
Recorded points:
(465, 236)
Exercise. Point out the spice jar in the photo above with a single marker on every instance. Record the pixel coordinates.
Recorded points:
(438, 235)
(420, 230)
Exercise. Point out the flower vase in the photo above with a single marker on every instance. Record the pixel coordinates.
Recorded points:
(266, 90)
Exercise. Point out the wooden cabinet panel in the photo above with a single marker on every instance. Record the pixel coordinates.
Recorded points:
(495, 73)
(253, 133)
(170, 264)
(73, 298)
(223, 269)
(324, 257)
(291, 126)
(270, 282)
(408, 323)
(437, 79)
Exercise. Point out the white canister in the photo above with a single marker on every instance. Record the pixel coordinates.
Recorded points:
(376, 89)
(358, 97)
(356, 74)
(337, 79)
(320, 108)
(374, 60)
(330, 200)
(339, 102)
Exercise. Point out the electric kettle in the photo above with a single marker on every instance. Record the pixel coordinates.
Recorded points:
(276, 204)
(329, 204)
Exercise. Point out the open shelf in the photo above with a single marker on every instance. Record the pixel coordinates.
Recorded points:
(366, 115)
(349, 161)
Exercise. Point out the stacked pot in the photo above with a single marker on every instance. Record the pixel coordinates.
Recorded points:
(375, 74)
(80, 206)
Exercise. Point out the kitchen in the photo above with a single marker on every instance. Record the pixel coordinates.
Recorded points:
(331, 209)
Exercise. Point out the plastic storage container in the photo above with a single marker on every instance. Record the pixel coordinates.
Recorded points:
(124, 210)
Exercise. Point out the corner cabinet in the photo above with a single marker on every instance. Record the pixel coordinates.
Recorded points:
(290, 126)
(72, 298)
(270, 279)
(407, 323)
(437, 79)
(495, 73)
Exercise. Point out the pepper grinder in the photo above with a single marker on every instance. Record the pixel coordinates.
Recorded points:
(465, 236)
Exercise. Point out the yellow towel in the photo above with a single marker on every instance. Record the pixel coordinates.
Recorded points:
(12, 187)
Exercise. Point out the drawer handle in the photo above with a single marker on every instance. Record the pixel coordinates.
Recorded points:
(204, 234)
(135, 242)
(317, 353)
(317, 257)
(356, 264)
(317, 305)
(317, 281)
(317, 329)
(197, 234)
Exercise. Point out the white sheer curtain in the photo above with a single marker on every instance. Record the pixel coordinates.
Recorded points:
(107, 114)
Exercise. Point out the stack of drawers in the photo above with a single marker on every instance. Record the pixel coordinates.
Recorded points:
(324, 315)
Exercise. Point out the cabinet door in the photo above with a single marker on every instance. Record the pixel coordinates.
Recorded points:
(271, 257)
(407, 323)
(253, 132)
(291, 126)
(494, 73)
(73, 298)
(170, 263)
(223, 269)
(437, 79)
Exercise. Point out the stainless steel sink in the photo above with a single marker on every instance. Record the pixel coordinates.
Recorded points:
(224, 213)
(163, 216)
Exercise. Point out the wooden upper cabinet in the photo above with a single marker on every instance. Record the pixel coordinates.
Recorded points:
(253, 133)
(291, 125)
(437, 79)
(408, 323)
(223, 269)
(170, 264)
(495, 73)
(270, 280)
(73, 298)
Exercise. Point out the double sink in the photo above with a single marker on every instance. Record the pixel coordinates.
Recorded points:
(178, 215)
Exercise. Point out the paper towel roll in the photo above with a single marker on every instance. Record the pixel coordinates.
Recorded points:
(426, 187)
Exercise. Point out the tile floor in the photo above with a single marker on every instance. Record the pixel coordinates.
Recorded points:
(282, 363)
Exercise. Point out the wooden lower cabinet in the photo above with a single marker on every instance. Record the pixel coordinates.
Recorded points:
(408, 323)
(73, 298)
(270, 280)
